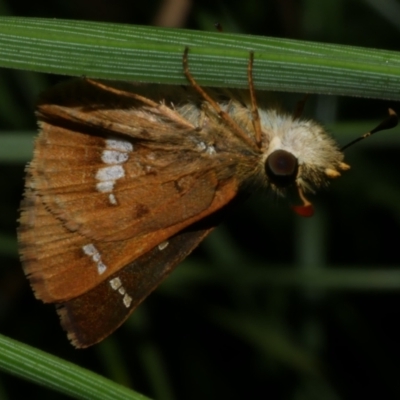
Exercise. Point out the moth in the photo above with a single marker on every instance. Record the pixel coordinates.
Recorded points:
(127, 179)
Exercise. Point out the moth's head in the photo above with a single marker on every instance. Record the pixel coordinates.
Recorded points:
(283, 170)
(298, 153)
(301, 153)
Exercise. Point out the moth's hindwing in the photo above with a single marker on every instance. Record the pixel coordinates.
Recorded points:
(95, 314)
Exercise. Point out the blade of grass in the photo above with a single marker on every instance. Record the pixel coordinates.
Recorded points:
(47, 370)
(150, 54)
(16, 147)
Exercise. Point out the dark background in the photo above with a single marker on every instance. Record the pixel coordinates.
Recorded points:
(270, 305)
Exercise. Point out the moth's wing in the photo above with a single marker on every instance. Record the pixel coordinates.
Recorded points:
(112, 169)
(173, 186)
(63, 264)
(95, 314)
(127, 109)
(72, 234)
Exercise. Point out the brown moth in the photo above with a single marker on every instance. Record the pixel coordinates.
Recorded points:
(127, 179)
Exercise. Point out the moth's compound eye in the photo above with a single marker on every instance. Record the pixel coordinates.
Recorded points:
(281, 168)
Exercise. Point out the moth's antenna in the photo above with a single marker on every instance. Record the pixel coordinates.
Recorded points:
(254, 108)
(390, 122)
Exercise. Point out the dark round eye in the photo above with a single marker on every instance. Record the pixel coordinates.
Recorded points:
(281, 168)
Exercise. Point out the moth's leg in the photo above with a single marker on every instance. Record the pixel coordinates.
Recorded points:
(300, 107)
(254, 107)
(222, 114)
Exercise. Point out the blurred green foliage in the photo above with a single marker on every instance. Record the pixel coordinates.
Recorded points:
(270, 306)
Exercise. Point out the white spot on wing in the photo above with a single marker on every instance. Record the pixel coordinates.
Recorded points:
(211, 150)
(110, 173)
(91, 251)
(114, 157)
(163, 245)
(122, 290)
(127, 300)
(112, 199)
(119, 144)
(105, 187)
(116, 152)
(116, 284)
(96, 257)
(101, 267)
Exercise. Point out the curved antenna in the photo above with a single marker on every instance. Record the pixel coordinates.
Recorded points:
(390, 122)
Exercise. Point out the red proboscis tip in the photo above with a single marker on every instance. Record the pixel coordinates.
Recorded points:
(304, 211)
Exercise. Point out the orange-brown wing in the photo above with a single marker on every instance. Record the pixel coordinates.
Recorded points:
(97, 199)
(62, 264)
(112, 170)
(106, 187)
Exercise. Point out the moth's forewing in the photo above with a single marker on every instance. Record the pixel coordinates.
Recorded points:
(154, 188)
(112, 161)
(57, 261)
(77, 228)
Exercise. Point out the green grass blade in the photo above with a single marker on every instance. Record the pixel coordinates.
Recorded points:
(52, 372)
(16, 147)
(150, 54)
